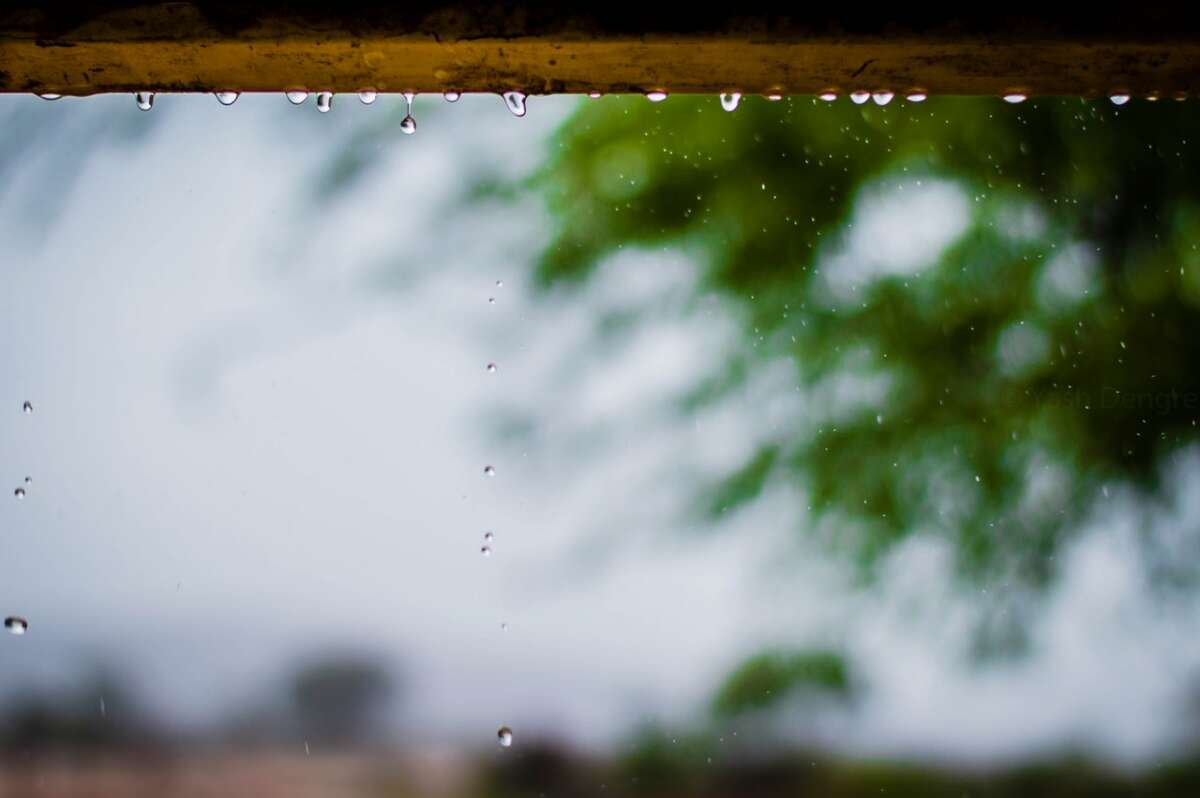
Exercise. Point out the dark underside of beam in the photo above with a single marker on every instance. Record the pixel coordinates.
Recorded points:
(538, 47)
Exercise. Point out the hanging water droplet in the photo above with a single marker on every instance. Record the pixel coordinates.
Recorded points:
(226, 97)
(408, 125)
(1152, 97)
(19, 493)
(916, 96)
(452, 96)
(1119, 99)
(859, 97)
(882, 97)
(656, 96)
(296, 96)
(774, 97)
(730, 100)
(515, 101)
(505, 735)
(145, 100)
(595, 95)
(50, 96)
(828, 96)
(27, 408)
(1014, 98)
(367, 96)
(17, 625)
(486, 551)
(491, 367)
(488, 471)
(324, 101)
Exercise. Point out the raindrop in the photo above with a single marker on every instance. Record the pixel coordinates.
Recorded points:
(505, 736)
(488, 471)
(452, 96)
(489, 536)
(916, 96)
(515, 101)
(18, 626)
(882, 97)
(1119, 99)
(730, 101)
(774, 97)
(50, 96)
(296, 96)
(486, 551)
(27, 407)
(491, 300)
(226, 97)
(491, 367)
(367, 96)
(859, 97)
(1152, 97)
(19, 493)
(145, 100)
(503, 627)
(595, 95)
(656, 96)
(28, 480)
(828, 96)
(1014, 98)
(408, 125)
(499, 283)
(324, 101)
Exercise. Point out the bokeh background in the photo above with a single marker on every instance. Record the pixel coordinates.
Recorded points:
(837, 448)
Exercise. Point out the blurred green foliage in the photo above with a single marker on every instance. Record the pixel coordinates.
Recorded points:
(767, 678)
(1049, 348)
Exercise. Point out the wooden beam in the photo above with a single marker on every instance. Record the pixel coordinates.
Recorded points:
(79, 48)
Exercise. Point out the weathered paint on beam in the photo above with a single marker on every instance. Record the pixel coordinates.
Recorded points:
(90, 48)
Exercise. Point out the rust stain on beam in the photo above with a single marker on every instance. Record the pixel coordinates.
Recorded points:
(436, 47)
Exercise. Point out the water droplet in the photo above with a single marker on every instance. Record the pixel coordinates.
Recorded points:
(489, 536)
(1014, 98)
(730, 100)
(50, 96)
(27, 407)
(19, 493)
(882, 97)
(656, 96)
(145, 100)
(488, 471)
(486, 551)
(774, 97)
(859, 97)
(1152, 97)
(828, 96)
(367, 96)
(296, 96)
(503, 627)
(28, 480)
(324, 101)
(408, 125)
(491, 300)
(1119, 99)
(452, 96)
(515, 101)
(916, 96)
(18, 626)
(226, 97)
(505, 735)
(499, 283)
(595, 95)
(491, 367)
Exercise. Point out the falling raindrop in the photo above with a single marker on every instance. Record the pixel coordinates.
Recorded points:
(503, 627)
(656, 96)
(916, 96)
(367, 96)
(505, 736)
(491, 300)
(28, 480)
(324, 101)
(50, 96)
(499, 283)
(452, 96)
(882, 97)
(408, 125)
(515, 101)
(1119, 99)
(488, 471)
(19, 493)
(226, 97)
(1014, 98)
(27, 407)
(489, 536)
(145, 100)
(859, 97)
(296, 96)
(491, 367)
(730, 100)
(486, 551)
(18, 626)
(828, 96)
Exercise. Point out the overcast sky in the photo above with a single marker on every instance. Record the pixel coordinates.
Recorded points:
(261, 426)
